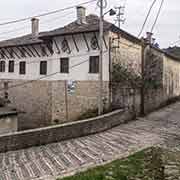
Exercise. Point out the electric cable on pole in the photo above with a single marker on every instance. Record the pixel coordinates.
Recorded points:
(120, 15)
(100, 105)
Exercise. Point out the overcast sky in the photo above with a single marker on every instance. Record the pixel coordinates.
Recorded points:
(166, 31)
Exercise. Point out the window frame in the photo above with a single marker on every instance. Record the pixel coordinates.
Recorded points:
(9, 67)
(62, 69)
(22, 72)
(41, 70)
(2, 66)
(91, 68)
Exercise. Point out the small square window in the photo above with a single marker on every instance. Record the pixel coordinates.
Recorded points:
(43, 67)
(11, 66)
(2, 66)
(22, 67)
(94, 64)
(64, 65)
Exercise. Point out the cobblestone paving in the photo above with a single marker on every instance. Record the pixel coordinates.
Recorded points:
(47, 162)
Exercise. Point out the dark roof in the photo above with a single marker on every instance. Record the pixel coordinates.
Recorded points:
(91, 25)
(174, 51)
(167, 53)
(18, 41)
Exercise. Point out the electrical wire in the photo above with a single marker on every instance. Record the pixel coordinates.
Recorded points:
(46, 14)
(159, 11)
(175, 42)
(44, 23)
(147, 16)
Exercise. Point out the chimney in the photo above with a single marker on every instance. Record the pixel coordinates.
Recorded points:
(81, 15)
(35, 27)
(149, 37)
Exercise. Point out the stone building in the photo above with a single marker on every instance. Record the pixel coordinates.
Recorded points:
(53, 76)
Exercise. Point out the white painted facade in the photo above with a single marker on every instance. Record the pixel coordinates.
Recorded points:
(78, 59)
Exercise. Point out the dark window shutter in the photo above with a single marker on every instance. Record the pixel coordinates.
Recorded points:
(22, 67)
(2, 66)
(43, 67)
(94, 64)
(11, 66)
(64, 65)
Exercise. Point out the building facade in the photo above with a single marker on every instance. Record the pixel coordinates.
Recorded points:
(53, 77)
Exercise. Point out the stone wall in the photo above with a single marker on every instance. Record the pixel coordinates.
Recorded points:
(58, 133)
(42, 103)
(8, 124)
(84, 97)
(163, 77)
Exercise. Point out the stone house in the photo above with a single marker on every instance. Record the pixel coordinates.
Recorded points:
(37, 69)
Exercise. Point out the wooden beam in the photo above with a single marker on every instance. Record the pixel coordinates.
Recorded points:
(35, 50)
(23, 48)
(23, 55)
(2, 55)
(30, 51)
(15, 53)
(57, 47)
(96, 40)
(85, 39)
(10, 55)
(5, 53)
(50, 48)
(69, 50)
(74, 40)
(42, 46)
(105, 42)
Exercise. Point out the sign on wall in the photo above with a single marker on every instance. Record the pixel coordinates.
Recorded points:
(71, 86)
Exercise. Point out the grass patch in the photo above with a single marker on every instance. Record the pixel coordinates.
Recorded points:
(144, 165)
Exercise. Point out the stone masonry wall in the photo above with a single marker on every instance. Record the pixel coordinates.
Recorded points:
(153, 74)
(128, 54)
(164, 73)
(84, 97)
(33, 100)
(42, 103)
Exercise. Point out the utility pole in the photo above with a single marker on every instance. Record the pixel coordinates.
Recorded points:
(100, 104)
(143, 77)
(120, 15)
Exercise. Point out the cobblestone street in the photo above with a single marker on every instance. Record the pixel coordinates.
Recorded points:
(53, 160)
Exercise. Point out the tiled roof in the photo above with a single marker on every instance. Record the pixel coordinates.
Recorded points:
(92, 24)
(23, 40)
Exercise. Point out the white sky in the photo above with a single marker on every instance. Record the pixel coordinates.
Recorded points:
(166, 30)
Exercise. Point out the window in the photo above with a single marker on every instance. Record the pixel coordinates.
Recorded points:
(22, 67)
(2, 66)
(43, 67)
(11, 66)
(64, 64)
(94, 64)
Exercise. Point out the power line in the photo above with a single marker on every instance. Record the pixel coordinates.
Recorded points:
(45, 14)
(159, 11)
(120, 15)
(147, 16)
(175, 42)
(43, 23)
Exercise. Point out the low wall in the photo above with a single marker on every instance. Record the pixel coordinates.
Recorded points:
(42, 136)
